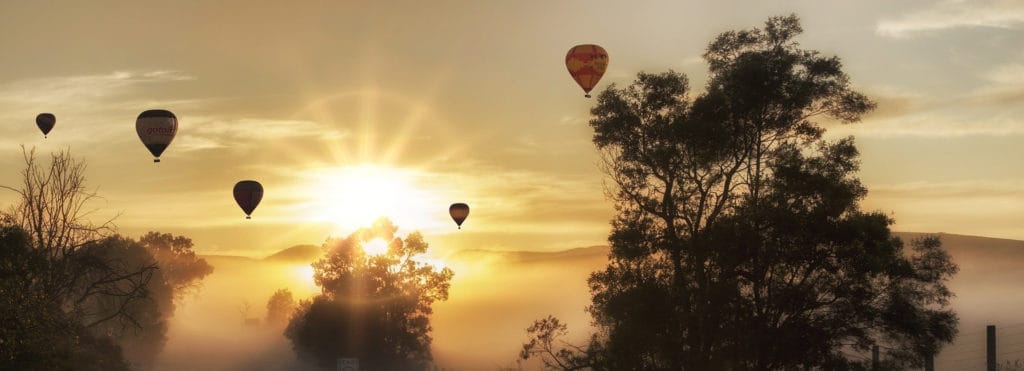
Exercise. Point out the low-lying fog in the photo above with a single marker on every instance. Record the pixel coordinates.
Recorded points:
(495, 296)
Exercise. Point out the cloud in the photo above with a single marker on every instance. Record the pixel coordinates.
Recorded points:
(99, 103)
(951, 14)
(104, 103)
(990, 109)
(208, 132)
(981, 207)
(1007, 74)
(957, 189)
(939, 123)
(82, 90)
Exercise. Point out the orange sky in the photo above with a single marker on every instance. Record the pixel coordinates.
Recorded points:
(470, 102)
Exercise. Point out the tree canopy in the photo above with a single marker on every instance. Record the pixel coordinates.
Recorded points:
(739, 242)
(280, 307)
(372, 307)
(73, 294)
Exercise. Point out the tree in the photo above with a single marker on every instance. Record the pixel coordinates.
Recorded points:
(280, 307)
(178, 270)
(372, 307)
(55, 275)
(181, 268)
(557, 354)
(739, 242)
(143, 333)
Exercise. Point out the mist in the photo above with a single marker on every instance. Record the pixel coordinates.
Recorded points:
(494, 296)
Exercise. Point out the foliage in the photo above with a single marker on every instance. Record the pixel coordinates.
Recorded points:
(739, 242)
(1014, 365)
(557, 354)
(36, 332)
(280, 307)
(375, 308)
(182, 269)
(72, 289)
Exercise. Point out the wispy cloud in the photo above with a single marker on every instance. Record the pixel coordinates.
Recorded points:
(980, 207)
(217, 131)
(93, 107)
(990, 109)
(81, 90)
(106, 103)
(959, 189)
(950, 14)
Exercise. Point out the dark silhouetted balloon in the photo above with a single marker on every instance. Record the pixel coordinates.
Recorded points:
(459, 212)
(156, 128)
(586, 64)
(45, 122)
(248, 194)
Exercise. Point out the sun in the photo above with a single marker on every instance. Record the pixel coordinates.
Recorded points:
(354, 196)
(305, 275)
(376, 247)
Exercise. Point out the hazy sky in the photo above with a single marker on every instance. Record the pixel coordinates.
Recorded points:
(336, 106)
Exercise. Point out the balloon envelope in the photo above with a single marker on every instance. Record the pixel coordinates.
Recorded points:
(156, 128)
(586, 64)
(248, 194)
(45, 122)
(459, 212)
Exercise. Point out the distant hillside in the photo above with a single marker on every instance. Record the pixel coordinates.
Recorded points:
(965, 249)
(231, 258)
(536, 256)
(968, 251)
(297, 253)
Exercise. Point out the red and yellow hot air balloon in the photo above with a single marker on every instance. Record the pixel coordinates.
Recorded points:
(248, 194)
(586, 64)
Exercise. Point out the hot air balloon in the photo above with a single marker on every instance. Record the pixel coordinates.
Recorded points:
(586, 64)
(156, 128)
(459, 212)
(248, 194)
(45, 122)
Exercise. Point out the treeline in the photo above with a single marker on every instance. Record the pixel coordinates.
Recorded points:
(739, 242)
(74, 294)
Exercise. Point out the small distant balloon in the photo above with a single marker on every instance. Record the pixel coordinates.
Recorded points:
(586, 64)
(45, 122)
(459, 212)
(156, 128)
(248, 194)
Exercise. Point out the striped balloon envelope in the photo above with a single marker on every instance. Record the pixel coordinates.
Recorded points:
(156, 128)
(586, 64)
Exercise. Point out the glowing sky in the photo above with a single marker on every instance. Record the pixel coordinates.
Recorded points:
(469, 101)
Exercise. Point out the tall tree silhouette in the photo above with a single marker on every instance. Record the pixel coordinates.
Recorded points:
(55, 272)
(739, 242)
(372, 307)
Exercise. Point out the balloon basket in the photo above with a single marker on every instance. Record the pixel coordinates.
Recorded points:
(156, 160)
(588, 95)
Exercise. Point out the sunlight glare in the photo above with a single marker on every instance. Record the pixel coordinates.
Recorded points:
(376, 247)
(305, 273)
(438, 264)
(354, 197)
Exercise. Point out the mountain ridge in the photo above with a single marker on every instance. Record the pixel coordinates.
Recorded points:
(309, 252)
